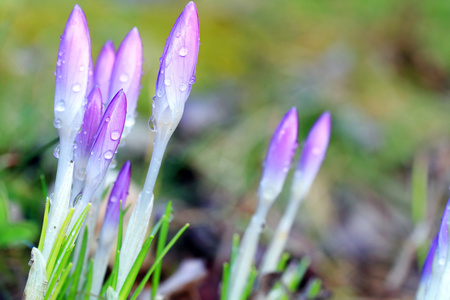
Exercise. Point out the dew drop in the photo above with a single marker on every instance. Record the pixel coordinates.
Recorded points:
(82, 68)
(60, 53)
(115, 135)
(54, 73)
(81, 173)
(113, 163)
(315, 151)
(56, 151)
(178, 34)
(167, 81)
(58, 62)
(152, 124)
(159, 93)
(192, 80)
(160, 59)
(123, 78)
(57, 123)
(183, 51)
(85, 132)
(183, 87)
(108, 154)
(107, 119)
(60, 105)
(76, 87)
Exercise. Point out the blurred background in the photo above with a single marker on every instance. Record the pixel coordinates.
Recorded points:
(382, 69)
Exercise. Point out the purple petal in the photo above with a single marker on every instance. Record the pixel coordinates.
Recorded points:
(178, 62)
(127, 70)
(103, 69)
(428, 265)
(119, 192)
(442, 243)
(72, 70)
(314, 151)
(107, 139)
(90, 84)
(85, 138)
(280, 153)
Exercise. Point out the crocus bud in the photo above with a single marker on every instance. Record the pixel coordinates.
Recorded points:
(103, 69)
(85, 138)
(72, 69)
(90, 84)
(177, 71)
(313, 153)
(279, 156)
(435, 277)
(118, 195)
(126, 73)
(105, 144)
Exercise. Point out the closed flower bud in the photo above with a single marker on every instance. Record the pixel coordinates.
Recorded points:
(103, 69)
(313, 153)
(279, 156)
(177, 70)
(72, 71)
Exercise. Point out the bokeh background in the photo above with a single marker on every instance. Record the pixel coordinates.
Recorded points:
(381, 67)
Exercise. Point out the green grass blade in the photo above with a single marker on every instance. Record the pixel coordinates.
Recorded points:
(76, 275)
(299, 273)
(44, 225)
(161, 243)
(55, 253)
(44, 186)
(225, 277)
(158, 260)
(61, 281)
(283, 262)
(249, 287)
(314, 288)
(88, 284)
(58, 273)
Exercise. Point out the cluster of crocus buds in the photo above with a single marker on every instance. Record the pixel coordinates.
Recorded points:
(276, 167)
(435, 277)
(95, 107)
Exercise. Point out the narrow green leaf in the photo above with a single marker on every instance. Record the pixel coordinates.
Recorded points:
(58, 273)
(283, 262)
(314, 288)
(300, 271)
(44, 225)
(123, 295)
(234, 249)
(249, 286)
(76, 275)
(61, 281)
(44, 186)
(161, 243)
(88, 283)
(225, 277)
(57, 247)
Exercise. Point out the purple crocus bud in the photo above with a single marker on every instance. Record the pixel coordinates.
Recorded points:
(103, 69)
(126, 73)
(428, 265)
(90, 84)
(119, 193)
(313, 153)
(279, 156)
(177, 71)
(85, 138)
(72, 70)
(106, 141)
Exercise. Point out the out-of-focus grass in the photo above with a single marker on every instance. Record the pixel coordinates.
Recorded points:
(381, 68)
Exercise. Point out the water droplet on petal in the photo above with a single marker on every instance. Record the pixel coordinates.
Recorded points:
(159, 93)
(60, 53)
(113, 163)
(115, 135)
(76, 87)
(85, 132)
(57, 123)
(192, 80)
(58, 62)
(54, 73)
(107, 119)
(60, 105)
(152, 124)
(123, 78)
(56, 151)
(178, 34)
(183, 87)
(160, 59)
(108, 154)
(183, 51)
(167, 81)
(82, 68)
(315, 151)
(81, 173)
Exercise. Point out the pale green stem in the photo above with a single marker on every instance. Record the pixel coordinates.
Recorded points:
(247, 250)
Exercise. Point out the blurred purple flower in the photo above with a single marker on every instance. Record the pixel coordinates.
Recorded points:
(177, 70)
(72, 71)
(313, 153)
(106, 141)
(279, 155)
(103, 69)
(126, 73)
(119, 193)
(428, 265)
